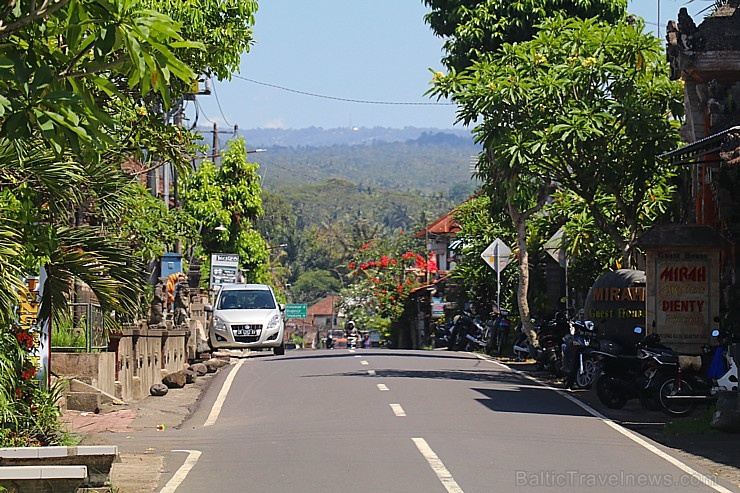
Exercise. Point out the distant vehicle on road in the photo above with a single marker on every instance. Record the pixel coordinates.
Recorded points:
(247, 316)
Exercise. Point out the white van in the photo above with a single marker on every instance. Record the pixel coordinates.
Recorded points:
(247, 316)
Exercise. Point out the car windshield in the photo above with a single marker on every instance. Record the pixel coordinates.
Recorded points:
(246, 299)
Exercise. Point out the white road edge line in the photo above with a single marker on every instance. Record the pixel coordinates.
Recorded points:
(180, 474)
(216, 409)
(382, 387)
(437, 466)
(398, 410)
(624, 431)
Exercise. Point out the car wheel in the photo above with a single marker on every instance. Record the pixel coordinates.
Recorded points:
(279, 350)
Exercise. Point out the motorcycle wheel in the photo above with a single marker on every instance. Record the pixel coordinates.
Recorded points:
(555, 365)
(489, 345)
(584, 379)
(609, 395)
(502, 339)
(675, 407)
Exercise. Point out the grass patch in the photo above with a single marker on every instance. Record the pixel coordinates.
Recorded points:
(697, 424)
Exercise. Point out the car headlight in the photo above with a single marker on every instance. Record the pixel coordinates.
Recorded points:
(218, 323)
(274, 321)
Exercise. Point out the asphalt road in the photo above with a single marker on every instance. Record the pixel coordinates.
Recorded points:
(404, 421)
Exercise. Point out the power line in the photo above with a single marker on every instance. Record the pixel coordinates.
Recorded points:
(348, 100)
(218, 102)
(202, 111)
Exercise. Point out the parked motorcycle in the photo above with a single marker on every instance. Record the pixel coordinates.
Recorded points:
(550, 336)
(497, 332)
(579, 364)
(696, 378)
(628, 373)
(467, 333)
(442, 334)
(521, 344)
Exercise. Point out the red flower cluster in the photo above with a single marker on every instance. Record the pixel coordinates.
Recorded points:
(25, 340)
(28, 373)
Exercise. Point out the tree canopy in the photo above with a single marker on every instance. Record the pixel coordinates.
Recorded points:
(473, 28)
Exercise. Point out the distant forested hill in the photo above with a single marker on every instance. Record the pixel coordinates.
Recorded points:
(327, 192)
(430, 163)
(320, 137)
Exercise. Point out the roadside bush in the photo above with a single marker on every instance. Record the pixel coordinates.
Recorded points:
(29, 415)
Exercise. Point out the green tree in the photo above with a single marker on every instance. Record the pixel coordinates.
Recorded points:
(473, 28)
(64, 65)
(481, 221)
(226, 202)
(83, 86)
(313, 285)
(590, 107)
(518, 134)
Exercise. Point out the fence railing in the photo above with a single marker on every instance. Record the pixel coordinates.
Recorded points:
(86, 332)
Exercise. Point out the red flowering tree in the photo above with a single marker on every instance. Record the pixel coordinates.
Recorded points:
(385, 273)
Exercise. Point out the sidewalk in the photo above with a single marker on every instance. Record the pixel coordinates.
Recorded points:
(139, 472)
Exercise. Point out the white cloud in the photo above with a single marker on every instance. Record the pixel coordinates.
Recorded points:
(275, 123)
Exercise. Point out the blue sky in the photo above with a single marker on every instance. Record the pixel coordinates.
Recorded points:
(377, 51)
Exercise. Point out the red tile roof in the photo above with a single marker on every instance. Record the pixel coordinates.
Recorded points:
(445, 225)
(323, 307)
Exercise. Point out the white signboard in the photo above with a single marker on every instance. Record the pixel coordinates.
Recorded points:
(497, 255)
(554, 246)
(224, 269)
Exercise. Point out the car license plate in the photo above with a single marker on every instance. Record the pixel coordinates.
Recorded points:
(246, 332)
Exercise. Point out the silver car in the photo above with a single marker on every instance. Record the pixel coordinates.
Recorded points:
(247, 316)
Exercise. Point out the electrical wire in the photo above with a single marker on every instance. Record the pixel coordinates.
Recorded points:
(218, 103)
(204, 113)
(348, 100)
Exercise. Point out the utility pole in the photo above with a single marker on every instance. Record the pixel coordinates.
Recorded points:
(215, 145)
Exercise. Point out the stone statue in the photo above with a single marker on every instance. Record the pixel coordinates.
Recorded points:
(156, 309)
(182, 301)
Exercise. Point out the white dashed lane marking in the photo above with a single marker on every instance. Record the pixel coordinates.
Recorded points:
(437, 466)
(382, 387)
(398, 410)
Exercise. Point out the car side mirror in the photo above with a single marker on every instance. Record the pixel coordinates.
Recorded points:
(282, 307)
(208, 308)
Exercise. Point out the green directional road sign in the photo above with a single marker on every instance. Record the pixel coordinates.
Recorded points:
(296, 310)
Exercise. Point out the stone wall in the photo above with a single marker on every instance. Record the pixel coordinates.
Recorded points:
(144, 356)
(95, 369)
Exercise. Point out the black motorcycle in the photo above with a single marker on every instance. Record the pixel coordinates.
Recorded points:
(694, 379)
(628, 373)
(521, 345)
(466, 333)
(497, 331)
(550, 336)
(442, 335)
(579, 364)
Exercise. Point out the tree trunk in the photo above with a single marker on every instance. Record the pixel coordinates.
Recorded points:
(520, 224)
